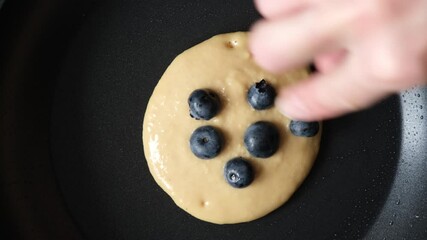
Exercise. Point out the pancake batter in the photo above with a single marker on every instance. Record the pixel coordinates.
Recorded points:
(223, 65)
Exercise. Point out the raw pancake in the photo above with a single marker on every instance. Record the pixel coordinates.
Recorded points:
(224, 65)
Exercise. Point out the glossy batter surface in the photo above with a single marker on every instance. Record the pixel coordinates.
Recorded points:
(224, 65)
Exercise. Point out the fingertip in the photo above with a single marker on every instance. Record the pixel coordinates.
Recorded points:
(272, 9)
(284, 44)
(269, 8)
(291, 106)
(308, 100)
(260, 51)
(325, 96)
(261, 6)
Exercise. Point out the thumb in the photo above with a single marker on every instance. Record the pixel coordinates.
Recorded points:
(330, 95)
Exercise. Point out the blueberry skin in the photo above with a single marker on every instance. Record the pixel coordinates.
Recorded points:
(262, 139)
(238, 172)
(206, 142)
(261, 95)
(304, 129)
(204, 104)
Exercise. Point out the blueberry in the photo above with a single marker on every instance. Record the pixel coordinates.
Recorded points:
(304, 129)
(238, 172)
(262, 139)
(261, 95)
(206, 142)
(204, 104)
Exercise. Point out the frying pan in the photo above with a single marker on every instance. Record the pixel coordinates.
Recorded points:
(75, 80)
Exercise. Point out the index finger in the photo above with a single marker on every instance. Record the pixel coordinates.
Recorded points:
(282, 44)
(332, 94)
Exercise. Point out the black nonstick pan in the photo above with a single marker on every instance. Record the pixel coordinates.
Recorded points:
(75, 78)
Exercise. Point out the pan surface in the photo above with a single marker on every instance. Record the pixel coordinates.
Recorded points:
(75, 82)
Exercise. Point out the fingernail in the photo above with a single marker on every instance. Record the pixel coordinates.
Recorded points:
(292, 107)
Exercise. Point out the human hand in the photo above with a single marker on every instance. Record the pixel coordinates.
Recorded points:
(364, 50)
